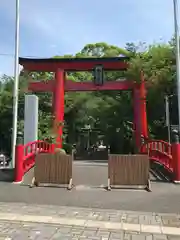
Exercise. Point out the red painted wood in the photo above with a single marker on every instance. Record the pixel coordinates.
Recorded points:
(30, 151)
(19, 170)
(71, 86)
(41, 86)
(58, 106)
(90, 86)
(159, 151)
(143, 112)
(51, 65)
(176, 161)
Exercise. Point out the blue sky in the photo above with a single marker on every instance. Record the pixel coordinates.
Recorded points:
(51, 27)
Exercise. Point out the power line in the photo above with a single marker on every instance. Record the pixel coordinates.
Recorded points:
(7, 54)
(13, 55)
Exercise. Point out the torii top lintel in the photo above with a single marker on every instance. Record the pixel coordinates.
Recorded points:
(73, 64)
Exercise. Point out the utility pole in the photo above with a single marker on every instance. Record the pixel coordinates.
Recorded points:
(16, 86)
(168, 118)
(176, 31)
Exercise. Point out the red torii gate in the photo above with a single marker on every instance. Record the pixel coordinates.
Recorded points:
(60, 85)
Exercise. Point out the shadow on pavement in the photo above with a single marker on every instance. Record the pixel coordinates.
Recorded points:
(91, 161)
(160, 173)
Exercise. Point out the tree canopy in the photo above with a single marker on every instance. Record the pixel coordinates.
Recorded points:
(108, 112)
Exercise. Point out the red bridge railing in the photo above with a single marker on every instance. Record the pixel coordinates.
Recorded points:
(159, 151)
(25, 156)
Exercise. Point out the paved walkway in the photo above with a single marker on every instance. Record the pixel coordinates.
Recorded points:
(36, 222)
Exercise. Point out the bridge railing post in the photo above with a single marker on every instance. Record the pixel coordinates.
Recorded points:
(53, 147)
(142, 143)
(19, 170)
(176, 156)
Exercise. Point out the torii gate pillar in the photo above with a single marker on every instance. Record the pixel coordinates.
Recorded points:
(58, 106)
(143, 111)
(140, 113)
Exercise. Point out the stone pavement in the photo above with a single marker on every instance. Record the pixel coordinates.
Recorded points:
(36, 222)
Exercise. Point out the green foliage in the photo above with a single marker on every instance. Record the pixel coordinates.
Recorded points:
(102, 50)
(110, 113)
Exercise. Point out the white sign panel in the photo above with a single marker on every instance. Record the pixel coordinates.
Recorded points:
(30, 119)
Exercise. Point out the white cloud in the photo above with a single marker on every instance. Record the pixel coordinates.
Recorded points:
(89, 21)
(57, 27)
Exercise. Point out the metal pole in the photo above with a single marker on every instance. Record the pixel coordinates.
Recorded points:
(176, 29)
(168, 118)
(16, 85)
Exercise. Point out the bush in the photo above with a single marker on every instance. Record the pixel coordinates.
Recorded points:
(60, 150)
(67, 147)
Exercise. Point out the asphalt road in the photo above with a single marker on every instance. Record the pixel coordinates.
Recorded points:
(88, 178)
